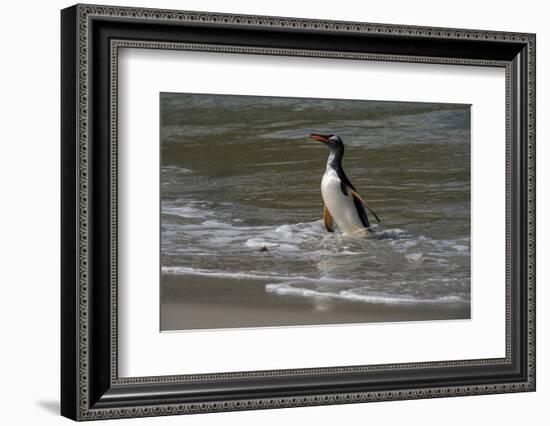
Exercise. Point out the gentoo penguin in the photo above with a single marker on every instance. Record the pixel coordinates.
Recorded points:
(343, 204)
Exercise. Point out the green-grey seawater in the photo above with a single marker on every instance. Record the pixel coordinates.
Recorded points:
(239, 173)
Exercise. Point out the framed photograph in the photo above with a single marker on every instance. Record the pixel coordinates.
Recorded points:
(263, 212)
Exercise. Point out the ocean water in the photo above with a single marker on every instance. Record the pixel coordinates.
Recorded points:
(240, 196)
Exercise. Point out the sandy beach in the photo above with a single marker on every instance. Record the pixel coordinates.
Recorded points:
(198, 302)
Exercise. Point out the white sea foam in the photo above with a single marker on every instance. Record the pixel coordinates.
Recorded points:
(185, 211)
(182, 270)
(359, 296)
(302, 259)
(414, 257)
(390, 233)
(258, 243)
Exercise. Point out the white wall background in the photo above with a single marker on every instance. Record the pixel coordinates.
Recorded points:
(29, 211)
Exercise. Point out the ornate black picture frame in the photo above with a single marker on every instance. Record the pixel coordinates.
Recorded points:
(91, 387)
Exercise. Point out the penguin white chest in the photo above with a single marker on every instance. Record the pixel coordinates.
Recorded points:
(340, 206)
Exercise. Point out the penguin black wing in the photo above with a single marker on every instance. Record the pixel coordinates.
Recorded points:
(361, 212)
(358, 197)
(344, 185)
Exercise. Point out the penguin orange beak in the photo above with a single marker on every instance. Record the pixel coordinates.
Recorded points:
(319, 138)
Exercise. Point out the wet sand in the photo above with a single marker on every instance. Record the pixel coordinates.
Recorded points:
(201, 302)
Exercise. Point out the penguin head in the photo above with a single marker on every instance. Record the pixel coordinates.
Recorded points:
(333, 142)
